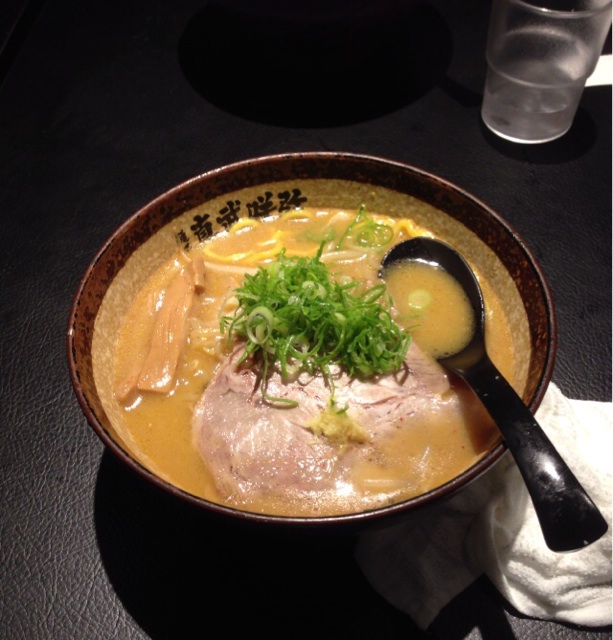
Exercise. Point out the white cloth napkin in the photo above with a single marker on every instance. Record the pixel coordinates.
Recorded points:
(490, 528)
(603, 73)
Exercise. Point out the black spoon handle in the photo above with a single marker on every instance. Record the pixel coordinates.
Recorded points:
(568, 517)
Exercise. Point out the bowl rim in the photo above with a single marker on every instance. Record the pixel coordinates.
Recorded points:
(345, 521)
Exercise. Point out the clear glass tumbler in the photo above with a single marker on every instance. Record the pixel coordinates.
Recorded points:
(539, 55)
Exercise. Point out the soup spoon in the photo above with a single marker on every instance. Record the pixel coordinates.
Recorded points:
(567, 516)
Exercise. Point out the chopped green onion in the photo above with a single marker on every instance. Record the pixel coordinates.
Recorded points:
(294, 315)
(326, 235)
(365, 232)
(419, 299)
(360, 214)
(373, 234)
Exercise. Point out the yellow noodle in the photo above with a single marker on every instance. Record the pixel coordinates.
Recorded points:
(297, 215)
(239, 269)
(345, 257)
(409, 228)
(234, 257)
(262, 256)
(276, 244)
(340, 216)
(243, 223)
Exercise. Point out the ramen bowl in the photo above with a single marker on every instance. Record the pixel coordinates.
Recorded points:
(202, 207)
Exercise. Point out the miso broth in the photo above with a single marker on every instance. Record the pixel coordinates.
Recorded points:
(426, 455)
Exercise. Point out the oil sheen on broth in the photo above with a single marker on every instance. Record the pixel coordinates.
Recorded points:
(421, 457)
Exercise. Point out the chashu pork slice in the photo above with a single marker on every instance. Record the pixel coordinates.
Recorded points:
(255, 450)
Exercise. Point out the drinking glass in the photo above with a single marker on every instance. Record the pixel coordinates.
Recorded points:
(539, 55)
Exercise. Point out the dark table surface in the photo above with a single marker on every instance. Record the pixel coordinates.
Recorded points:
(107, 103)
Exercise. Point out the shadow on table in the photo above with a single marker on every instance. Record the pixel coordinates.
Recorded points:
(180, 574)
(574, 144)
(299, 72)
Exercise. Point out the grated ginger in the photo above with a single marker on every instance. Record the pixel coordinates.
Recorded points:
(337, 425)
